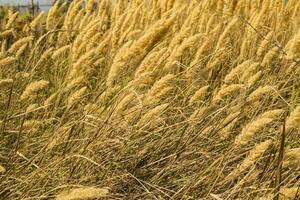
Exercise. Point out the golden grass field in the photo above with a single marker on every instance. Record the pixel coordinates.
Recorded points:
(151, 99)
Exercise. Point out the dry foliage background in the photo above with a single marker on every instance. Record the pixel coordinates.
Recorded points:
(151, 99)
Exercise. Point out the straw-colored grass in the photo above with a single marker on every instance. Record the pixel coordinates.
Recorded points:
(151, 99)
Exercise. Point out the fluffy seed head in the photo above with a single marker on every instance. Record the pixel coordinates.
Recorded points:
(151, 114)
(247, 72)
(21, 51)
(18, 44)
(236, 72)
(7, 61)
(60, 51)
(50, 100)
(83, 193)
(293, 121)
(199, 95)
(264, 44)
(33, 88)
(76, 96)
(253, 79)
(253, 157)
(229, 29)
(11, 20)
(227, 91)
(255, 126)
(50, 21)
(159, 89)
(289, 193)
(6, 33)
(260, 92)
(270, 56)
(292, 157)
(37, 20)
(5, 82)
(2, 169)
(294, 49)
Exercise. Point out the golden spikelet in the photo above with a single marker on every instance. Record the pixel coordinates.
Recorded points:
(253, 79)
(107, 95)
(244, 50)
(76, 97)
(50, 100)
(227, 130)
(84, 21)
(229, 119)
(236, 72)
(125, 102)
(179, 38)
(31, 125)
(227, 91)
(83, 193)
(2, 169)
(260, 92)
(215, 63)
(150, 62)
(137, 50)
(264, 44)
(289, 193)
(74, 8)
(224, 36)
(276, 113)
(18, 44)
(5, 82)
(90, 5)
(82, 63)
(292, 157)
(294, 48)
(210, 24)
(47, 54)
(202, 51)
(61, 51)
(100, 62)
(187, 44)
(22, 75)
(199, 95)
(37, 20)
(50, 21)
(33, 88)
(79, 16)
(250, 130)
(11, 20)
(5, 34)
(4, 46)
(253, 157)
(255, 126)
(7, 61)
(74, 83)
(199, 113)
(147, 118)
(143, 81)
(293, 121)
(21, 51)
(159, 89)
(133, 34)
(26, 28)
(247, 72)
(268, 58)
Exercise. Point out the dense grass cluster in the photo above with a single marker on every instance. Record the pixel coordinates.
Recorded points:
(151, 99)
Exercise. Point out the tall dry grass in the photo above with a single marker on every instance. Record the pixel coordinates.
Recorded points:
(151, 99)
